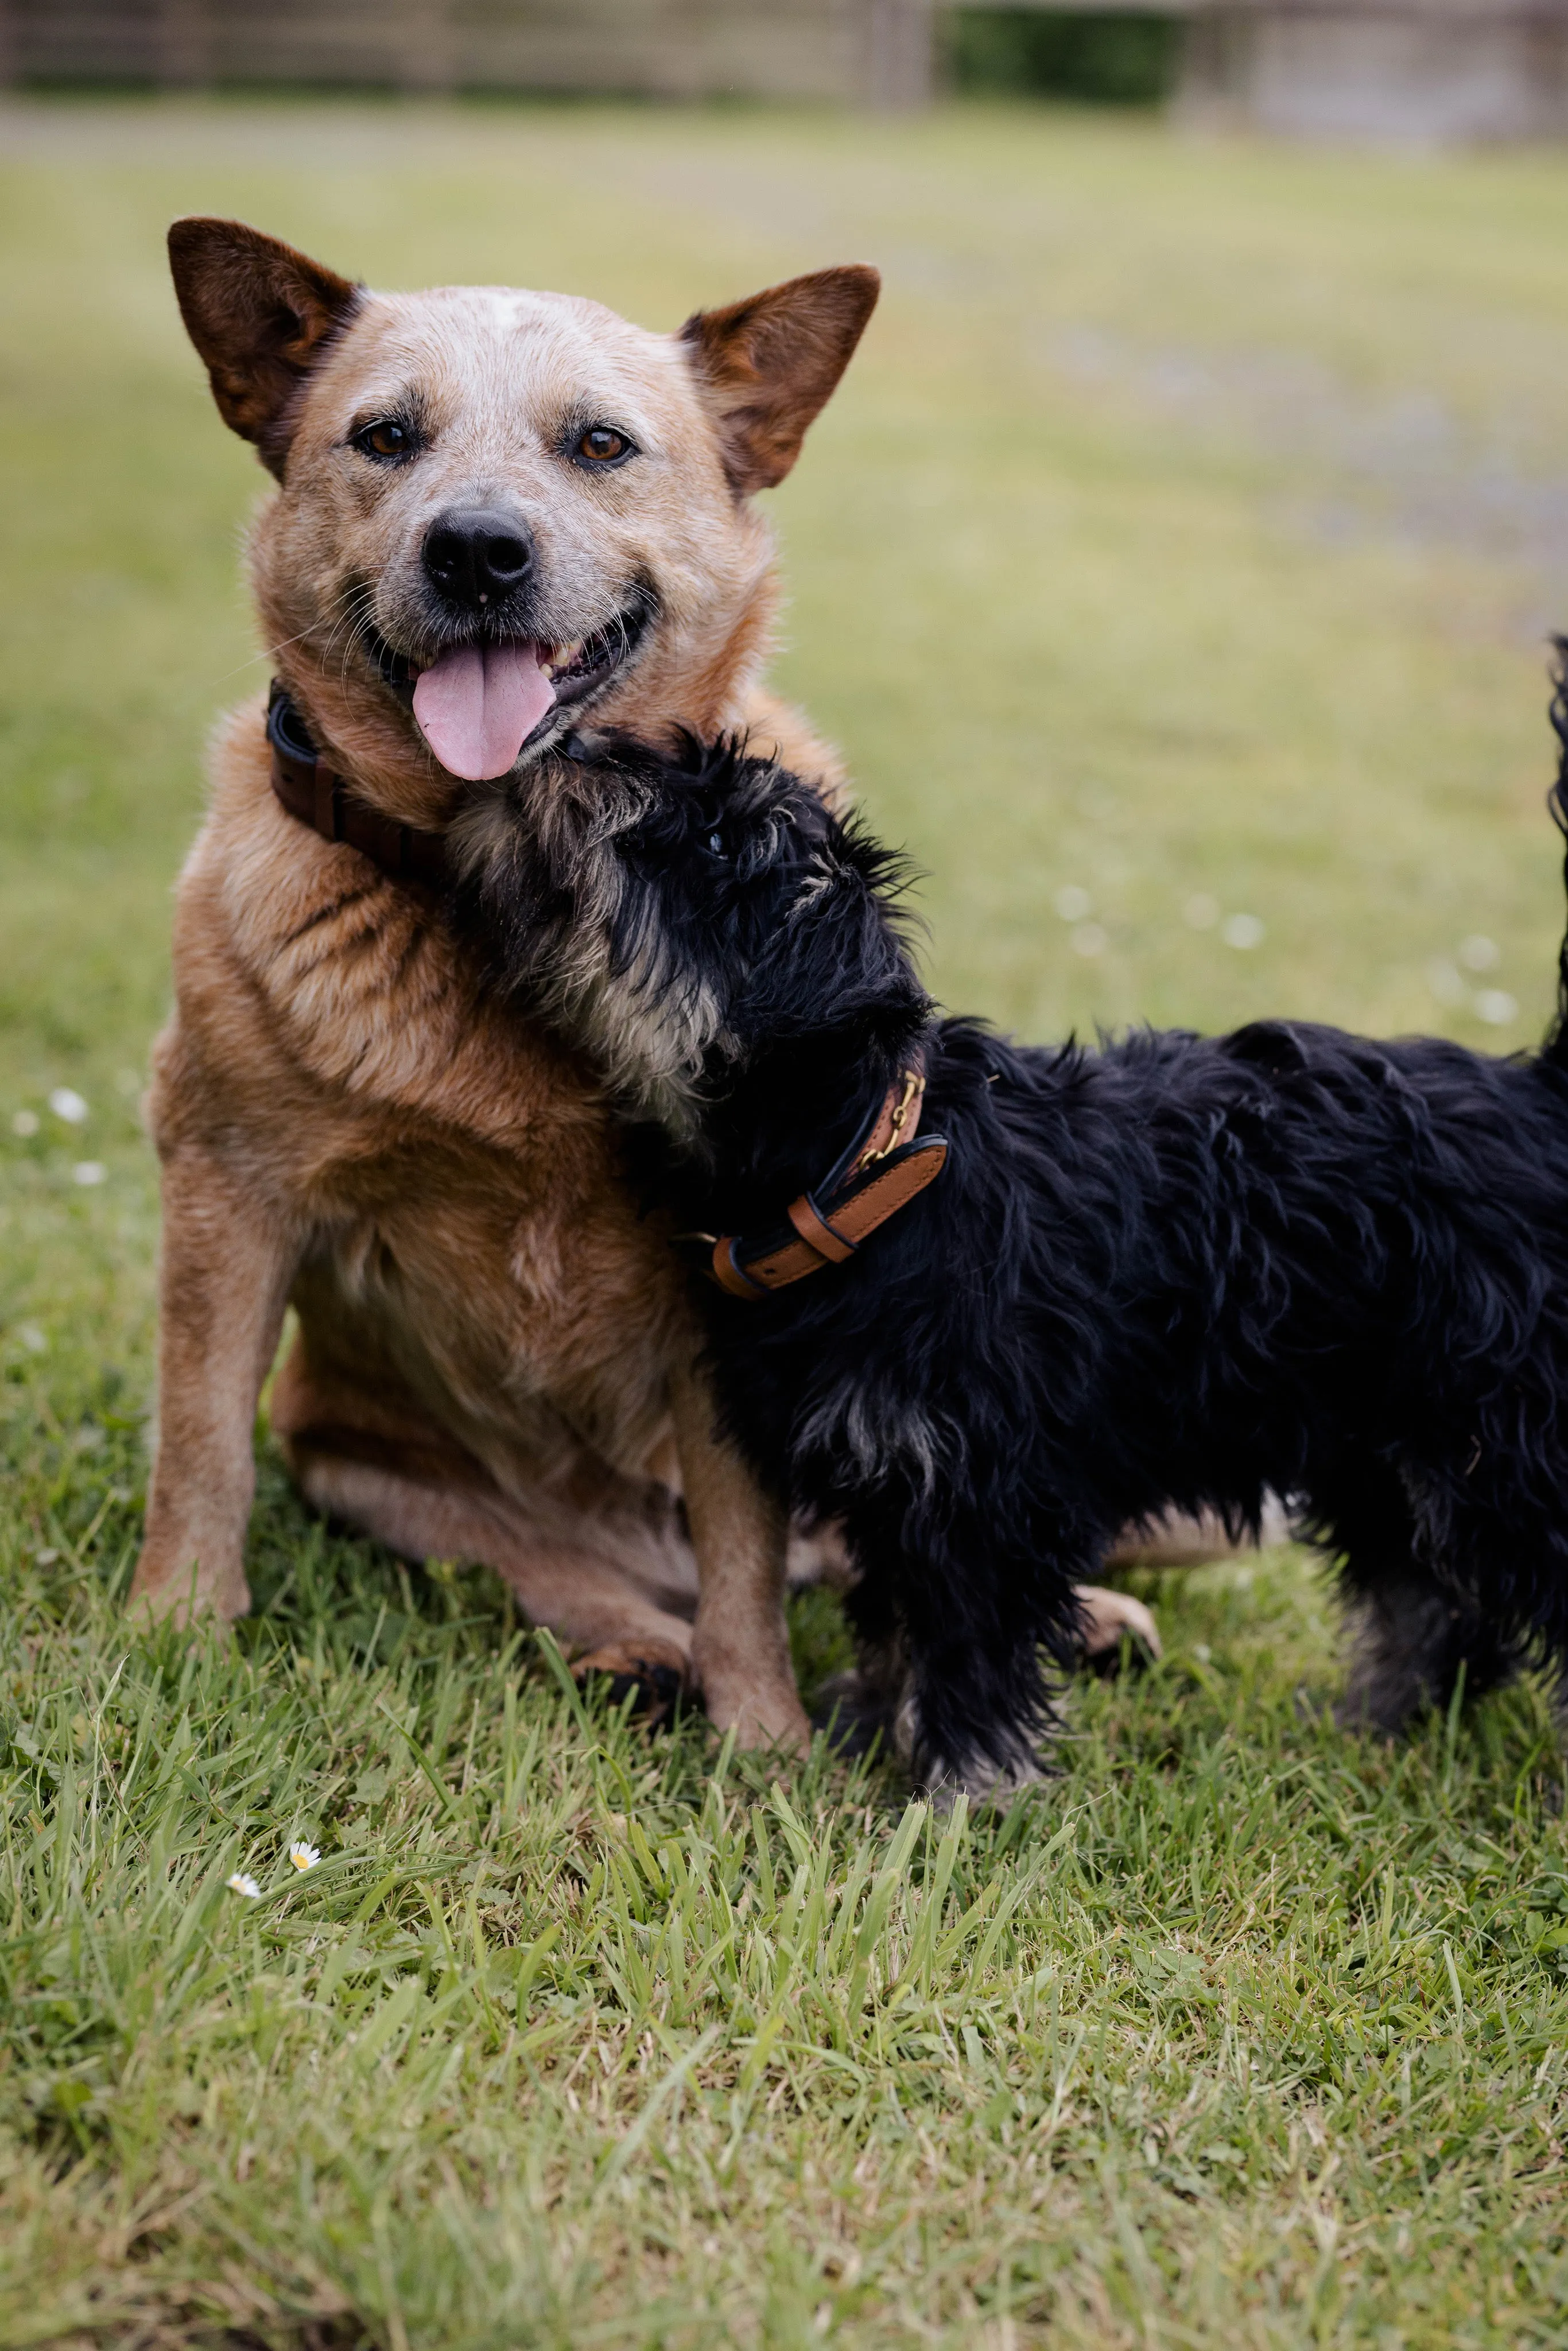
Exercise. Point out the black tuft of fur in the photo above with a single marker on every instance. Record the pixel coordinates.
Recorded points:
(1556, 1045)
(1169, 1269)
(706, 896)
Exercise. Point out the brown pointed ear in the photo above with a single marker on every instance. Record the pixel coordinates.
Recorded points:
(768, 365)
(260, 315)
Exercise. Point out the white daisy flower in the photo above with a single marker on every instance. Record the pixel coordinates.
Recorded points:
(303, 1856)
(1496, 1006)
(1072, 904)
(1446, 981)
(67, 1104)
(1241, 931)
(241, 1883)
(90, 1171)
(1477, 952)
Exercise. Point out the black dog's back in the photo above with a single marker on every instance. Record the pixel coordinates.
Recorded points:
(1170, 1269)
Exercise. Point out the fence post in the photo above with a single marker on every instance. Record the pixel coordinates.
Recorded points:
(900, 35)
(184, 45)
(427, 60)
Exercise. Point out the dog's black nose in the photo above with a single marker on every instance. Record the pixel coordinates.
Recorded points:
(476, 555)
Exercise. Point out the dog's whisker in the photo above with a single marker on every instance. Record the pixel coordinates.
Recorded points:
(271, 651)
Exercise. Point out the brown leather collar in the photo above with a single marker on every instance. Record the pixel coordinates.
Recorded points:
(884, 1170)
(310, 791)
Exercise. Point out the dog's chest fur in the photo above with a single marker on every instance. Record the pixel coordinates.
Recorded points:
(453, 1168)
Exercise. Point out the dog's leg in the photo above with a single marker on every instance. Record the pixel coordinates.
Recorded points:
(591, 1603)
(1409, 1636)
(1410, 1641)
(951, 1635)
(362, 1448)
(1109, 1619)
(740, 1646)
(223, 1281)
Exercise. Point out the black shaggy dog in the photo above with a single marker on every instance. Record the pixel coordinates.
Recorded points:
(1172, 1268)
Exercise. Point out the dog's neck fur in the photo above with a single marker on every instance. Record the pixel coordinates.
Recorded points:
(724, 949)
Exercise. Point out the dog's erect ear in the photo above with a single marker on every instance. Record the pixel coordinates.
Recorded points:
(260, 315)
(768, 365)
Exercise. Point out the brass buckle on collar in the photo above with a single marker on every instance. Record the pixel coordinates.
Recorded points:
(914, 1087)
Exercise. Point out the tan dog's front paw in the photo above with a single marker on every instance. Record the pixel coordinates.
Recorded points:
(760, 1713)
(1110, 1617)
(181, 1594)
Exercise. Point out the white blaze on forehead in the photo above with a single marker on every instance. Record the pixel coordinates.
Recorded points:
(500, 369)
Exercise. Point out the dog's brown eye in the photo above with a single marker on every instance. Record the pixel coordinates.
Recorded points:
(602, 445)
(385, 438)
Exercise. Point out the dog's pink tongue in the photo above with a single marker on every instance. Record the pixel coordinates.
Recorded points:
(478, 705)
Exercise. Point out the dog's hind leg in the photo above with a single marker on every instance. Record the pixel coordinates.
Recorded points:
(611, 1582)
(591, 1603)
(1411, 1643)
(1410, 1639)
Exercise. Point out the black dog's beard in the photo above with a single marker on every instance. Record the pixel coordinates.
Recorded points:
(544, 882)
(649, 906)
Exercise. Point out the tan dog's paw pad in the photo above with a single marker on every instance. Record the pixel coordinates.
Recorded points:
(1115, 1628)
(659, 1682)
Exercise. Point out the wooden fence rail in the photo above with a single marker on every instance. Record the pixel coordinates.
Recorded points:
(856, 51)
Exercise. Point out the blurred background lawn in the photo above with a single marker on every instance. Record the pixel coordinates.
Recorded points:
(1174, 566)
(1181, 546)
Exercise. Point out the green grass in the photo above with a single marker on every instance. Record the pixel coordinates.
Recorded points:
(1188, 527)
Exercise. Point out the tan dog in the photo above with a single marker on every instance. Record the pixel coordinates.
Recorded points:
(506, 509)
(496, 512)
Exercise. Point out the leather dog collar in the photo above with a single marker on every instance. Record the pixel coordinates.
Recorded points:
(312, 792)
(883, 1170)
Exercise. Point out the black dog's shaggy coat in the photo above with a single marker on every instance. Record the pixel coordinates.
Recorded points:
(1169, 1270)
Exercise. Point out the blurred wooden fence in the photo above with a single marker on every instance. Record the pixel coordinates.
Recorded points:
(1420, 71)
(874, 52)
